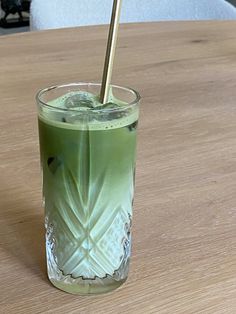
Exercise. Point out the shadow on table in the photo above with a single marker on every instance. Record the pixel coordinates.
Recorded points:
(22, 234)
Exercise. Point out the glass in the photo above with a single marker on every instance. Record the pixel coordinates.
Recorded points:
(88, 165)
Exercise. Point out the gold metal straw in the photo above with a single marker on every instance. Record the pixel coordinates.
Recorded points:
(110, 53)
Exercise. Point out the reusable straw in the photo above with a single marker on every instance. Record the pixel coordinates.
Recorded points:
(110, 52)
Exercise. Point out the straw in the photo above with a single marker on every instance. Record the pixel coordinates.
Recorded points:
(110, 52)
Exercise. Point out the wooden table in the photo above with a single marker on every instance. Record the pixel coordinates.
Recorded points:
(184, 252)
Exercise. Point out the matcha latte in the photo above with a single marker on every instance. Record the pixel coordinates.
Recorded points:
(88, 163)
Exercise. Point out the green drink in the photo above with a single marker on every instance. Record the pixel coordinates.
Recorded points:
(88, 162)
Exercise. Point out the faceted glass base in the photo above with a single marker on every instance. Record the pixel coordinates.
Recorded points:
(68, 269)
(102, 286)
(85, 286)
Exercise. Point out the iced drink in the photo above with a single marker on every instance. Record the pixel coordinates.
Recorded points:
(88, 162)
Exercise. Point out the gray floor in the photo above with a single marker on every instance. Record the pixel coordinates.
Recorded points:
(232, 2)
(6, 31)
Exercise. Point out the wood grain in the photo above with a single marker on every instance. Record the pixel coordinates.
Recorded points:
(184, 253)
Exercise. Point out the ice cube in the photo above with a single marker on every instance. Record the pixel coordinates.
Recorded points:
(54, 163)
(78, 118)
(109, 114)
(133, 126)
(108, 105)
(80, 101)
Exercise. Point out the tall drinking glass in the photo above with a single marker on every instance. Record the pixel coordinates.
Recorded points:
(88, 163)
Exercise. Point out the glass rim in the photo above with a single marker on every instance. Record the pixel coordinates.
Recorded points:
(129, 105)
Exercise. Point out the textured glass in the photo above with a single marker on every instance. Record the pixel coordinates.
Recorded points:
(88, 186)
